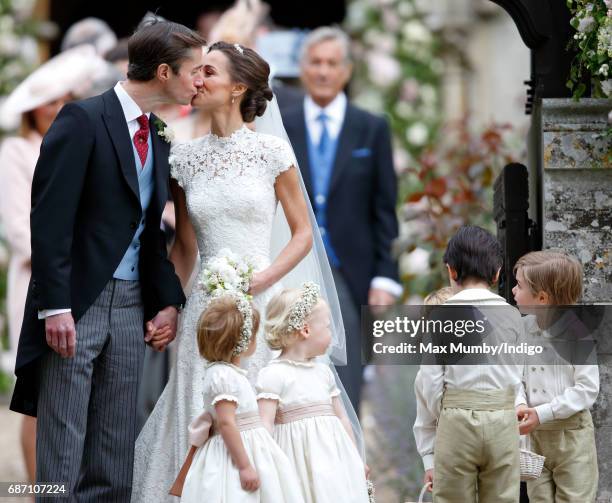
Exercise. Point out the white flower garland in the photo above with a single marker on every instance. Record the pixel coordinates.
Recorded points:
(243, 305)
(303, 306)
(230, 275)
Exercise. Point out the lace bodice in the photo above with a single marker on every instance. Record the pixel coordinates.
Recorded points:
(229, 187)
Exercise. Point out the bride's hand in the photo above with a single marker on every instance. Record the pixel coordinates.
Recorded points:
(259, 283)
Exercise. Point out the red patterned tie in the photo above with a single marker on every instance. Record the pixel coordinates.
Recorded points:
(141, 138)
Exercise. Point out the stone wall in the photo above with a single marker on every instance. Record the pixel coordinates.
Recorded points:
(576, 185)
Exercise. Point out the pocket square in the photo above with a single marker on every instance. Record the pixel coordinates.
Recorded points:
(362, 152)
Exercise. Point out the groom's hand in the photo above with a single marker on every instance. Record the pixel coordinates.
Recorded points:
(161, 330)
(61, 334)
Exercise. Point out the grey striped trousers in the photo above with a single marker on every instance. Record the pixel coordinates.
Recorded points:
(87, 404)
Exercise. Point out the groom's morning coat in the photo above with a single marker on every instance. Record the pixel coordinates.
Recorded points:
(85, 211)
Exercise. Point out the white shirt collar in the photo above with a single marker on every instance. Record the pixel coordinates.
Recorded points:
(335, 110)
(473, 295)
(130, 109)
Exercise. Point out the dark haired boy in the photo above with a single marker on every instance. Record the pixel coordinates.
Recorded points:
(467, 432)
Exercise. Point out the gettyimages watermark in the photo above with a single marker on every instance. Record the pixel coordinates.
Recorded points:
(484, 335)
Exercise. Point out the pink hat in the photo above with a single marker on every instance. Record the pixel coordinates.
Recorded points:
(65, 73)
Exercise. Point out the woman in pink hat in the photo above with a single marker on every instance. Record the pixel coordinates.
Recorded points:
(33, 106)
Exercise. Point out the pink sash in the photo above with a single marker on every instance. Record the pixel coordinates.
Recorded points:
(303, 411)
(200, 430)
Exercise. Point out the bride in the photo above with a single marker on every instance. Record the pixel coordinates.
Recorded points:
(226, 188)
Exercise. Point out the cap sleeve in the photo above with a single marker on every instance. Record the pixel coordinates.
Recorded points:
(280, 155)
(269, 384)
(221, 384)
(332, 387)
(178, 164)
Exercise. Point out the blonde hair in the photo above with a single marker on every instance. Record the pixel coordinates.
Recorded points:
(557, 274)
(438, 297)
(276, 327)
(219, 328)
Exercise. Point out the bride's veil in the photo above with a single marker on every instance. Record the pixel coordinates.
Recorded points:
(314, 267)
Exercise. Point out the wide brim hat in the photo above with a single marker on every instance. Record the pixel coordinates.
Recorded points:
(65, 73)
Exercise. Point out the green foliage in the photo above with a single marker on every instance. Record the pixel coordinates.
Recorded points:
(18, 48)
(446, 171)
(592, 42)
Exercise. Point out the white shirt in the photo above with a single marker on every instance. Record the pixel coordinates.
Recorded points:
(131, 111)
(335, 112)
(432, 380)
(560, 390)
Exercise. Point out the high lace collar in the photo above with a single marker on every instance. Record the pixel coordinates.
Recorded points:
(240, 132)
(295, 363)
(231, 365)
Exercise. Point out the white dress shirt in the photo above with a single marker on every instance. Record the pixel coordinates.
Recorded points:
(432, 380)
(335, 112)
(131, 111)
(559, 390)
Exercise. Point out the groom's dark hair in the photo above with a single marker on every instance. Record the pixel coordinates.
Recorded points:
(156, 42)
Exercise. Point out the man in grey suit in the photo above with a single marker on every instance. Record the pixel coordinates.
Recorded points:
(100, 270)
(344, 154)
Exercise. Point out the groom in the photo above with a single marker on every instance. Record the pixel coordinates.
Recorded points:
(99, 268)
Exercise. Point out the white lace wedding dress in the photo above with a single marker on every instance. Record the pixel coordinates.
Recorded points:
(229, 187)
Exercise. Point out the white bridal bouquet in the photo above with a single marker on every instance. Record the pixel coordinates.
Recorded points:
(226, 272)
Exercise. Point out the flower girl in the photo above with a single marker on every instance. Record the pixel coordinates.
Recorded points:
(300, 403)
(240, 462)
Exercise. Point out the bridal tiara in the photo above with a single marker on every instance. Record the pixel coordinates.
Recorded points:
(302, 308)
(239, 48)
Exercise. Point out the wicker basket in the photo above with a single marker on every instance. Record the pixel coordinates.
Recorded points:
(421, 496)
(531, 465)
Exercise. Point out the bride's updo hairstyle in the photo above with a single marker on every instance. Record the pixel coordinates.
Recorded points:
(219, 327)
(248, 68)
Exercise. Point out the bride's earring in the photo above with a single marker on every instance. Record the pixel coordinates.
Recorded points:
(233, 99)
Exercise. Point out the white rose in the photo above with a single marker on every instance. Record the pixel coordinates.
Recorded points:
(404, 110)
(416, 262)
(9, 44)
(586, 24)
(606, 87)
(383, 69)
(415, 31)
(242, 268)
(370, 100)
(229, 277)
(169, 134)
(417, 134)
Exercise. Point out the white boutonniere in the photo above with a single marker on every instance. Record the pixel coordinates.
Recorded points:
(164, 131)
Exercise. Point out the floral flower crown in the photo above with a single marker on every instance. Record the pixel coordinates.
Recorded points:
(300, 310)
(246, 310)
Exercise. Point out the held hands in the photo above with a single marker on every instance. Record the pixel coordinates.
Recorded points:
(161, 330)
(378, 297)
(61, 334)
(249, 480)
(379, 300)
(428, 479)
(528, 418)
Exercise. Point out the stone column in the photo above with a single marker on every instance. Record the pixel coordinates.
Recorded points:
(576, 184)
